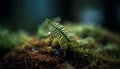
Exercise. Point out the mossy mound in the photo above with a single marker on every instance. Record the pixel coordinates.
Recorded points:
(38, 55)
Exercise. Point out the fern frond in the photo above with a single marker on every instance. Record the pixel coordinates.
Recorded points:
(65, 37)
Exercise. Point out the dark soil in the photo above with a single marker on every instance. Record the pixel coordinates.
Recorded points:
(38, 55)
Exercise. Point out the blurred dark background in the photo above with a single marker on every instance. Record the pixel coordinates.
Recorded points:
(28, 14)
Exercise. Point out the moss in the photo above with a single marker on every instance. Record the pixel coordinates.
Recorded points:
(96, 49)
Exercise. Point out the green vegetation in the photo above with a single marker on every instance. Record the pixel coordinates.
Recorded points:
(9, 40)
(82, 45)
(90, 38)
(64, 37)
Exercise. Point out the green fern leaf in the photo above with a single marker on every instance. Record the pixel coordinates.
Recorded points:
(65, 37)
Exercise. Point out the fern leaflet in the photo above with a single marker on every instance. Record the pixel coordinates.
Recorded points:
(65, 37)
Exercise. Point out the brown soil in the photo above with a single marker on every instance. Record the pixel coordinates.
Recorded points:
(38, 55)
